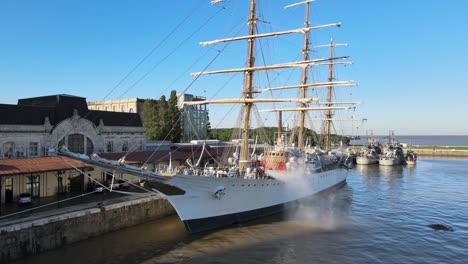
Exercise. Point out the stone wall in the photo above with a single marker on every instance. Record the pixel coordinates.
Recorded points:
(34, 236)
(441, 152)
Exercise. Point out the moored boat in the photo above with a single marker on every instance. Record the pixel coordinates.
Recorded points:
(392, 152)
(369, 153)
(411, 157)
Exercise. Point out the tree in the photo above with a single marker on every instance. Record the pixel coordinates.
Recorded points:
(174, 118)
(149, 115)
(163, 118)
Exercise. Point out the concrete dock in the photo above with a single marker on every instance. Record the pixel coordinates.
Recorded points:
(55, 228)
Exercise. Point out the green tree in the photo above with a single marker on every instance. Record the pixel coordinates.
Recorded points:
(163, 118)
(174, 119)
(149, 115)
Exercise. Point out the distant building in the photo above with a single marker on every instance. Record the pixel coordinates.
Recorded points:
(195, 118)
(132, 105)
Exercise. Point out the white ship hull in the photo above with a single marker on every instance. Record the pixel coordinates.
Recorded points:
(242, 199)
(367, 160)
(390, 162)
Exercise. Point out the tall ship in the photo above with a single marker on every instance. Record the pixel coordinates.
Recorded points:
(392, 152)
(370, 152)
(253, 183)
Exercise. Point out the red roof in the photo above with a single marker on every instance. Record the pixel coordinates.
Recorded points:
(36, 165)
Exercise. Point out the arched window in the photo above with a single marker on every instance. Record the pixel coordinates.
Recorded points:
(78, 143)
(123, 108)
(130, 110)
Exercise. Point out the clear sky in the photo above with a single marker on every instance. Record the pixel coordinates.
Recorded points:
(410, 57)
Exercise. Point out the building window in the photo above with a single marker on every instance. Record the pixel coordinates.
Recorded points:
(110, 146)
(89, 146)
(125, 145)
(8, 149)
(9, 190)
(77, 143)
(130, 110)
(33, 149)
(106, 108)
(33, 185)
(114, 108)
(123, 108)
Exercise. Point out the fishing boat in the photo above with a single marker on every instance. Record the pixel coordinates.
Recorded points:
(392, 152)
(370, 152)
(254, 183)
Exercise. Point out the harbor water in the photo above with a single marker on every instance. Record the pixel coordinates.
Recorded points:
(382, 215)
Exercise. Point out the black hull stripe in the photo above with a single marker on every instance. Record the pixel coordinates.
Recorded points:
(204, 224)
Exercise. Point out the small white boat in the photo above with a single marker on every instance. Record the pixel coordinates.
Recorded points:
(411, 157)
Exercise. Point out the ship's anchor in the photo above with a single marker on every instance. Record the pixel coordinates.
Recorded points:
(219, 192)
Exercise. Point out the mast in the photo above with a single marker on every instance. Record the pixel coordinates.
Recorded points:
(305, 53)
(280, 128)
(329, 113)
(247, 93)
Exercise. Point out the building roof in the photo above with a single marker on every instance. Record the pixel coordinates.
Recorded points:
(33, 111)
(37, 165)
(142, 157)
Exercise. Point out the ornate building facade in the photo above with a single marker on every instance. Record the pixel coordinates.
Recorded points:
(36, 127)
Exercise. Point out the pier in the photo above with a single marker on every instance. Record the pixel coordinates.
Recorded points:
(51, 229)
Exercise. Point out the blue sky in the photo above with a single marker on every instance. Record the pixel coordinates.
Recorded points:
(409, 57)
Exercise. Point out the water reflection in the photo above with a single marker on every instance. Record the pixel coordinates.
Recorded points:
(391, 172)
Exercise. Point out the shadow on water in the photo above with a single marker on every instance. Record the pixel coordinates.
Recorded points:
(129, 245)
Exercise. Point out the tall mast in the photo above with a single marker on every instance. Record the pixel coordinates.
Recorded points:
(247, 93)
(305, 53)
(329, 113)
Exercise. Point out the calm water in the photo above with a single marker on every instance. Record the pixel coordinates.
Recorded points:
(380, 216)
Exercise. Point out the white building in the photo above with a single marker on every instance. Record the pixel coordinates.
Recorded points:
(37, 127)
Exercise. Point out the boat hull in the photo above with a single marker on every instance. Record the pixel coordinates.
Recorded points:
(243, 200)
(366, 160)
(390, 162)
(204, 224)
